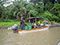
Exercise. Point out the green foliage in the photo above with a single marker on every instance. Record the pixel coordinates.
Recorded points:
(36, 9)
(7, 24)
(55, 17)
(56, 12)
(49, 6)
(33, 12)
(47, 13)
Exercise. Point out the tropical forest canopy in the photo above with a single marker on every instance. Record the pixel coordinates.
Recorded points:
(35, 8)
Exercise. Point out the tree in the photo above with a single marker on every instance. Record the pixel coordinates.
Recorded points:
(19, 9)
(56, 11)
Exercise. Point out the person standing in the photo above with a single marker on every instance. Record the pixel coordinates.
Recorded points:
(22, 25)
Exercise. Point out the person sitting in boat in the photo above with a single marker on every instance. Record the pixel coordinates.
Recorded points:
(22, 25)
(39, 24)
(35, 25)
(44, 21)
(14, 28)
(51, 23)
(47, 24)
(32, 25)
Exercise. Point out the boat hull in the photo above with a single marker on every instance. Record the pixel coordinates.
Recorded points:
(34, 30)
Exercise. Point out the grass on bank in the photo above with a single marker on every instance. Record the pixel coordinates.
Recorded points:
(7, 24)
(12, 22)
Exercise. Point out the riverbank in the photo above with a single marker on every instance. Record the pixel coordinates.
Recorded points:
(8, 24)
(2, 28)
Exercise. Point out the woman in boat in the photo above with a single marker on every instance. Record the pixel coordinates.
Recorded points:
(22, 25)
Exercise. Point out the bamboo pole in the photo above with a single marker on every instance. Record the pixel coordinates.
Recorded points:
(35, 20)
(29, 17)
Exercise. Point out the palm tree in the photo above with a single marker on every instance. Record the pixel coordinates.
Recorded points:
(19, 7)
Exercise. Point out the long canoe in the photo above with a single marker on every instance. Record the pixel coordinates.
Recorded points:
(34, 30)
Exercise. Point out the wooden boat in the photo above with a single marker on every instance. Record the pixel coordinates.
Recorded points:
(34, 30)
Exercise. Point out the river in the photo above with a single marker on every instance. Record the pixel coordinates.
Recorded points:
(49, 37)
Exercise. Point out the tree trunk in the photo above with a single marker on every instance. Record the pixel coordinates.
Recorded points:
(29, 17)
(22, 16)
(17, 17)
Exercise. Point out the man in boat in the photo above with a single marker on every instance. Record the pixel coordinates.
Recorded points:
(22, 25)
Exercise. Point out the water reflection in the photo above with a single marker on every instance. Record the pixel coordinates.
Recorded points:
(49, 37)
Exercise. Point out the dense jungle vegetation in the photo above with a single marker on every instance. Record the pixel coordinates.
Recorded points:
(35, 8)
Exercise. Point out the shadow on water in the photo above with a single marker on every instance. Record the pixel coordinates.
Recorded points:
(49, 37)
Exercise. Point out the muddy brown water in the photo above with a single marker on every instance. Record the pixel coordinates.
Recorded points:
(48, 37)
